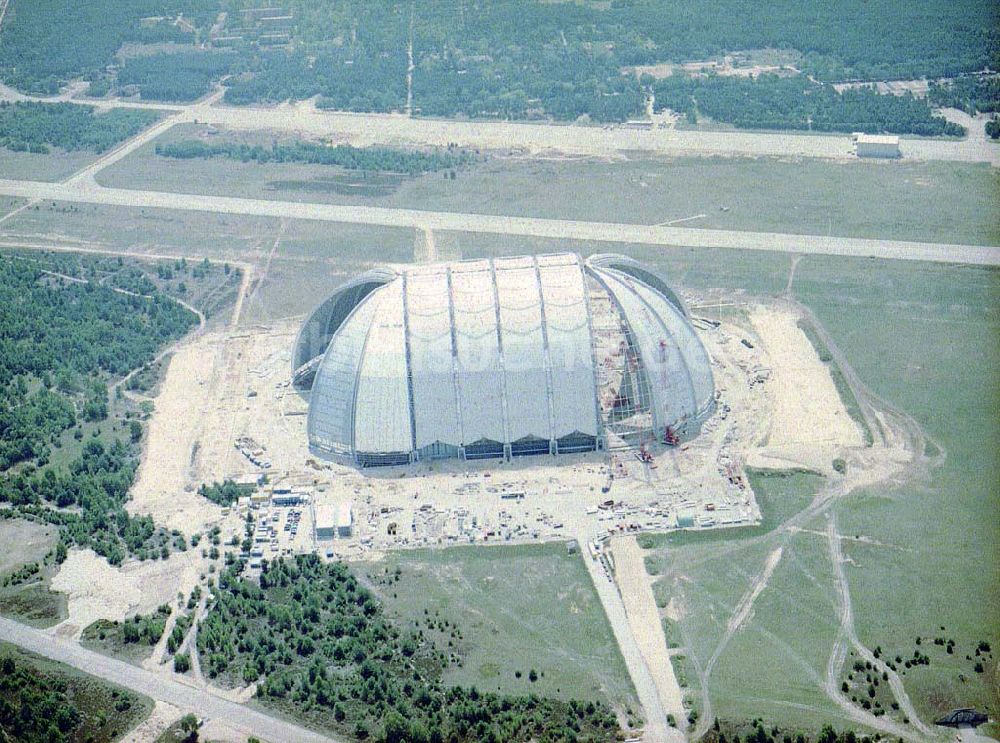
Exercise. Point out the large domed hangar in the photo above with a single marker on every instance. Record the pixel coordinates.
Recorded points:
(478, 359)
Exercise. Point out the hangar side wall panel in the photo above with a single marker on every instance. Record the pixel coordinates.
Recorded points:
(432, 366)
(316, 332)
(673, 399)
(695, 359)
(570, 352)
(523, 350)
(331, 406)
(478, 353)
(382, 415)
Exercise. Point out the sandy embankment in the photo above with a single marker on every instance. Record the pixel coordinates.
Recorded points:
(810, 426)
(172, 444)
(96, 590)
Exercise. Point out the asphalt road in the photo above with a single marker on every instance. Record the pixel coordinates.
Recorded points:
(186, 697)
(655, 729)
(86, 191)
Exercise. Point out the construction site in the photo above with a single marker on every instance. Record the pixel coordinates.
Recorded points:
(255, 428)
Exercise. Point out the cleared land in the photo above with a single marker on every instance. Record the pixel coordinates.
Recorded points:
(810, 425)
(548, 619)
(946, 202)
(30, 599)
(633, 584)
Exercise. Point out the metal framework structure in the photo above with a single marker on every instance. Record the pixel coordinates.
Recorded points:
(507, 357)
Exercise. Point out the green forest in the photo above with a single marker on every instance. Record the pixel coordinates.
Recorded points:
(773, 102)
(973, 94)
(503, 59)
(43, 703)
(44, 43)
(319, 645)
(177, 76)
(62, 344)
(376, 159)
(34, 127)
(225, 493)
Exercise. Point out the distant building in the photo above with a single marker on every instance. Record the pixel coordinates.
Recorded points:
(877, 145)
(286, 499)
(685, 519)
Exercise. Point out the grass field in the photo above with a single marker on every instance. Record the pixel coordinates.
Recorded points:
(942, 202)
(24, 541)
(107, 711)
(924, 338)
(518, 609)
(189, 233)
(9, 204)
(313, 257)
(54, 166)
(30, 601)
(920, 336)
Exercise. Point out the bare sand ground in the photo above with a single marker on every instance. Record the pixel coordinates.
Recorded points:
(96, 590)
(644, 618)
(172, 444)
(164, 715)
(220, 387)
(809, 424)
(150, 729)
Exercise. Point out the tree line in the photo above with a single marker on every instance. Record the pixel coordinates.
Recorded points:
(225, 493)
(60, 344)
(972, 93)
(40, 705)
(376, 159)
(503, 59)
(319, 644)
(774, 102)
(33, 126)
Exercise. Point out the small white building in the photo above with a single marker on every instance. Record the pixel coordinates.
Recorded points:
(877, 145)
(326, 522)
(345, 520)
(334, 521)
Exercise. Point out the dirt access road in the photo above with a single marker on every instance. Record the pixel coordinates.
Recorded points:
(85, 191)
(202, 703)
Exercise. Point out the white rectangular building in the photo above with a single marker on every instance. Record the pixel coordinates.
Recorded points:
(334, 521)
(326, 522)
(345, 520)
(877, 145)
